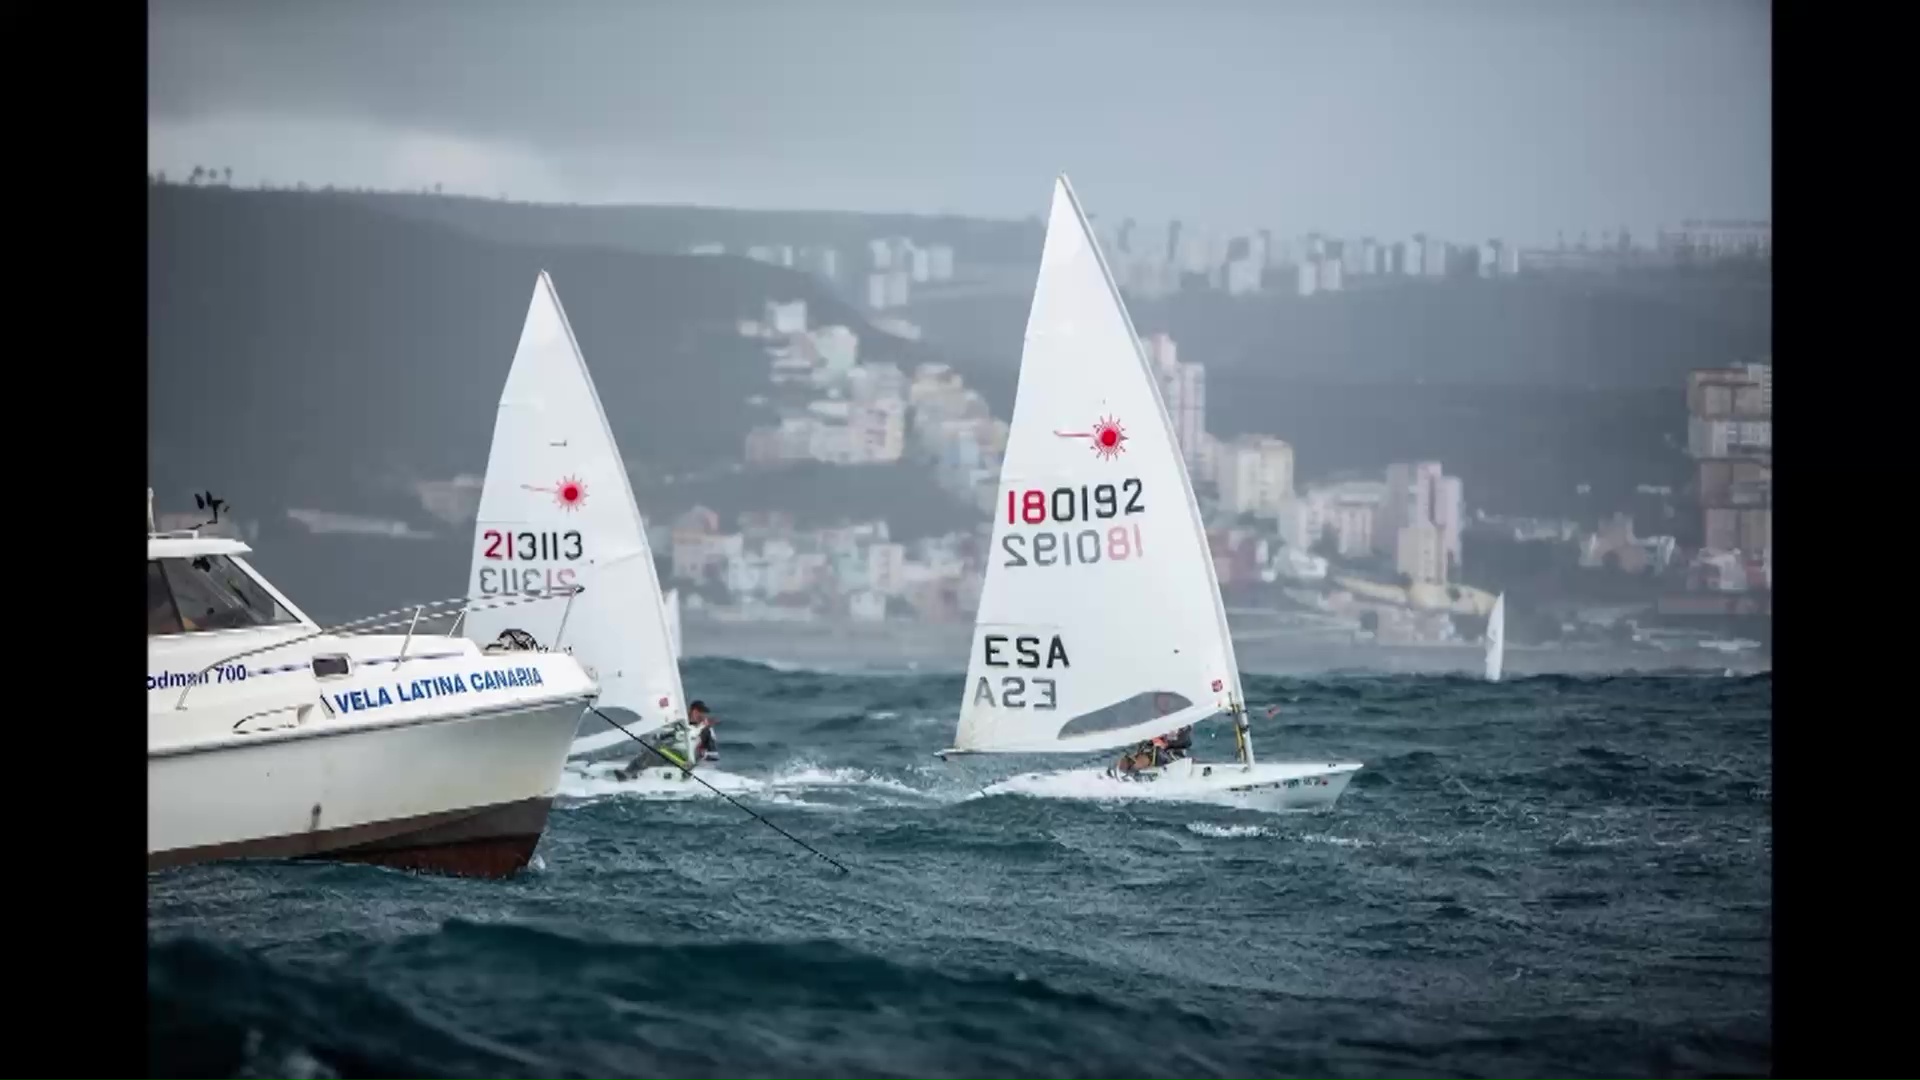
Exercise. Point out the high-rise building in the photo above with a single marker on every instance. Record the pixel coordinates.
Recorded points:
(1183, 386)
(1163, 353)
(1449, 515)
(1243, 276)
(1187, 405)
(879, 430)
(1353, 257)
(1730, 434)
(1421, 494)
(1255, 475)
(1418, 554)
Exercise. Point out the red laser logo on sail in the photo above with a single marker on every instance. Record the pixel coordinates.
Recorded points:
(1108, 437)
(568, 494)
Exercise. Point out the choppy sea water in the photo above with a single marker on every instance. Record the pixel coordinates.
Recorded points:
(1550, 876)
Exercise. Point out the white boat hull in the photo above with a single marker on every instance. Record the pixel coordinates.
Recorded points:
(1272, 787)
(463, 794)
(447, 761)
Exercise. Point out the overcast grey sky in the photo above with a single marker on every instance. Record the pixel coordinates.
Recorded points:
(1469, 118)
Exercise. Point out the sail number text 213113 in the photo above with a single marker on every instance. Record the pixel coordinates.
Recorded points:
(531, 550)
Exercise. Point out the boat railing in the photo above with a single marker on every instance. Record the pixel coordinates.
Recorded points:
(411, 616)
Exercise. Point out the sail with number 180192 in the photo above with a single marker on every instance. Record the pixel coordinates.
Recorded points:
(1101, 622)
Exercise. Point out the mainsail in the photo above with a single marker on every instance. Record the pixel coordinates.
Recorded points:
(1497, 638)
(1100, 619)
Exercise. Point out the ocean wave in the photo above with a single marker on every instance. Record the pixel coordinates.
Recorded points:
(1511, 857)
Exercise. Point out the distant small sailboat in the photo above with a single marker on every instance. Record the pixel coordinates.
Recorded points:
(1100, 621)
(557, 511)
(1497, 638)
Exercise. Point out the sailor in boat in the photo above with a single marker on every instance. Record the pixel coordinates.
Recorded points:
(1146, 755)
(704, 747)
(1157, 752)
(672, 742)
(1180, 743)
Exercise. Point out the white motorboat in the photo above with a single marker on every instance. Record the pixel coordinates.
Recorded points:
(1101, 622)
(271, 737)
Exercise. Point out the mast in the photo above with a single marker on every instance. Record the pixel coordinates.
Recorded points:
(1242, 732)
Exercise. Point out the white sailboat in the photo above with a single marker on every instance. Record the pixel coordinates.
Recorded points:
(557, 511)
(1101, 622)
(1497, 638)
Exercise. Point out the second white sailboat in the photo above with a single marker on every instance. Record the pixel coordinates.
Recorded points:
(557, 512)
(1100, 622)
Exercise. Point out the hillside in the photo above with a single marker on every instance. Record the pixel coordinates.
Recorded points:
(1527, 388)
(329, 351)
(672, 229)
(308, 351)
(1600, 331)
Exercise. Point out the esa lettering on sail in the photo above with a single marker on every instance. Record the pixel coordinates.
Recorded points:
(1023, 651)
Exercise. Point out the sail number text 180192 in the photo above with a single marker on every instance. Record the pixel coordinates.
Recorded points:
(1087, 503)
(1035, 506)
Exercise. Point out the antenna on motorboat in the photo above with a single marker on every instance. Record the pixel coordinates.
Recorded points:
(151, 526)
(208, 503)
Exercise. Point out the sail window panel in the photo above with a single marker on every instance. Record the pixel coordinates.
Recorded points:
(1128, 712)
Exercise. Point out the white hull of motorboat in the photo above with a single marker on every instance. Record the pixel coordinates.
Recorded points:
(465, 794)
(1276, 786)
(287, 741)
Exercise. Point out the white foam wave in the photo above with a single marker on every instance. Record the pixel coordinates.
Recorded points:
(1336, 841)
(1226, 832)
(596, 780)
(806, 774)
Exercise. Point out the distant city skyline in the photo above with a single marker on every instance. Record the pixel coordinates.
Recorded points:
(1506, 120)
